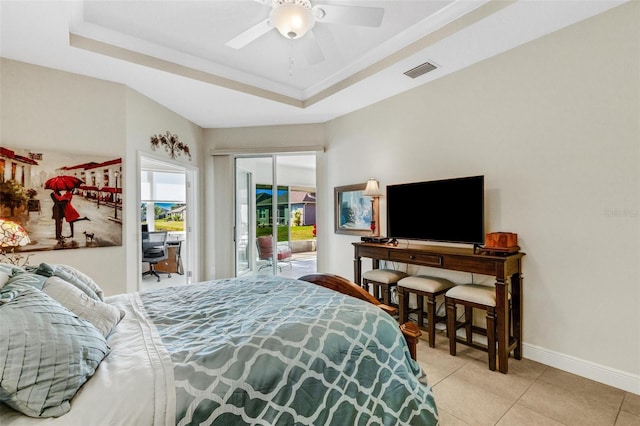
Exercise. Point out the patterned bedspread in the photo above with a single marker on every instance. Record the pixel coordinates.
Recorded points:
(277, 351)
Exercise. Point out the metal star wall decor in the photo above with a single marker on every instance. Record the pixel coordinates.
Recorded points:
(171, 144)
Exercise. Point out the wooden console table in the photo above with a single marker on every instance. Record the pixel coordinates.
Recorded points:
(506, 269)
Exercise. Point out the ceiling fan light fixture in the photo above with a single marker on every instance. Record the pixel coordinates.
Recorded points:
(293, 19)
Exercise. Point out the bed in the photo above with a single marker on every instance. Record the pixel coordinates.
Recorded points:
(257, 350)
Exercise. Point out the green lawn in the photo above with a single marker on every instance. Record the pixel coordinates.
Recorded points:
(169, 225)
(297, 232)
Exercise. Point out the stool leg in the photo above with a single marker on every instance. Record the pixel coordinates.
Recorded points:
(420, 303)
(468, 321)
(451, 324)
(386, 293)
(431, 318)
(514, 331)
(372, 288)
(491, 338)
(403, 304)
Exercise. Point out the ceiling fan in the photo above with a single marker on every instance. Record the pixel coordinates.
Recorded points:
(295, 18)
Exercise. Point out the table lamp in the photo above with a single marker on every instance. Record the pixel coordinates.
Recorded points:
(373, 190)
(13, 235)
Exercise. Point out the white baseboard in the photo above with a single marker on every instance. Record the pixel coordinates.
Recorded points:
(609, 376)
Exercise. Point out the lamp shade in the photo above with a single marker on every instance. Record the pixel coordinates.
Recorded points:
(12, 234)
(292, 19)
(372, 189)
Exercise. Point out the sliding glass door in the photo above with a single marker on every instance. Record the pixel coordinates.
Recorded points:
(275, 210)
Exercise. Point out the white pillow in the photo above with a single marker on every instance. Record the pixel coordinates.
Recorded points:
(84, 278)
(73, 276)
(103, 316)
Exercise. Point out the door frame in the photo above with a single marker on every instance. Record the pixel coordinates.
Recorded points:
(191, 246)
(249, 249)
(251, 198)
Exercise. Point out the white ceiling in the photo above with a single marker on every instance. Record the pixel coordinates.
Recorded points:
(175, 53)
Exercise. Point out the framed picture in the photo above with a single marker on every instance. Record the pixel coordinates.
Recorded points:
(355, 213)
(56, 200)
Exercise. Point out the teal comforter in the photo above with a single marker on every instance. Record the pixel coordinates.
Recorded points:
(278, 351)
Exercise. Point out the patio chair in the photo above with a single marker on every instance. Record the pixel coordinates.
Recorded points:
(265, 252)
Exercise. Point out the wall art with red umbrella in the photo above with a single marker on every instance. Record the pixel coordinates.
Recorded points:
(59, 200)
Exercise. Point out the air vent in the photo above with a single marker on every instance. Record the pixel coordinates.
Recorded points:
(420, 70)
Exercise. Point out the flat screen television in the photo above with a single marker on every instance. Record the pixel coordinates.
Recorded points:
(448, 210)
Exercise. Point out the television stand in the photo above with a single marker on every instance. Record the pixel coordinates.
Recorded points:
(506, 268)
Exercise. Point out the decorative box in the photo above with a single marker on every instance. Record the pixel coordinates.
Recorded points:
(501, 242)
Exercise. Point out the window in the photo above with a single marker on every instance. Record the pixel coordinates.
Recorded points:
(163, 198)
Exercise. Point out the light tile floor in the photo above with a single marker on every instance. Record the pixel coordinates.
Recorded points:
(149, 282)
(468, 393)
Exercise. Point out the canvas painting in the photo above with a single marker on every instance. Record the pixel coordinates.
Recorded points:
(52, 200)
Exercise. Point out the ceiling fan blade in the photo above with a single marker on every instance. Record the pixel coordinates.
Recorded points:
(246, 37)
(351, 15)
(312, 50)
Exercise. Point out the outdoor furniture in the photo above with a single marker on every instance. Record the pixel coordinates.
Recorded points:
(265, 252)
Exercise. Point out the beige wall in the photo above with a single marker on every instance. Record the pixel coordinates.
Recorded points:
(554, 127)
(52, 110)
(265, 137)
(47, 109)
(146, 118)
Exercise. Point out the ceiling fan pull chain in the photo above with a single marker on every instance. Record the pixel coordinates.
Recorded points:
(291, 59)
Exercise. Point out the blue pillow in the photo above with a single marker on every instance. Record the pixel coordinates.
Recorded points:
(10, 269)
(34, 280)
(46, 352)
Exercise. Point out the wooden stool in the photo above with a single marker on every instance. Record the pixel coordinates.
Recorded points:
(422, 286)
(473, 296)
(381, 281)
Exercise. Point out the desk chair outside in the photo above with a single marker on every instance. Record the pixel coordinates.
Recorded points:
(154, 250)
